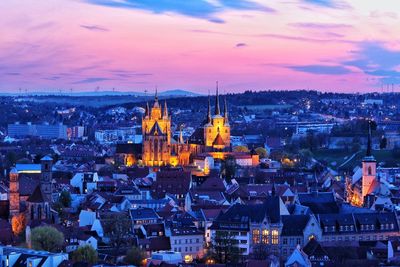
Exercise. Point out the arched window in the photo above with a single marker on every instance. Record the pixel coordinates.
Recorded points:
(32, 212)
(369, 170)
(39, 212)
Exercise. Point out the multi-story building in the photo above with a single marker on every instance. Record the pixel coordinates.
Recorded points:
(252, 225)
(45, 131)
(188, 241)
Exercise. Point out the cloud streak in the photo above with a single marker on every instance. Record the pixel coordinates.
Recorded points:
(94, 28)
(201, 9)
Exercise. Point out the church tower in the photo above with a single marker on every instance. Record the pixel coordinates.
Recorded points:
(217, 129)
(156, 131)
(14, 193)
(368, 167)
(46, 178)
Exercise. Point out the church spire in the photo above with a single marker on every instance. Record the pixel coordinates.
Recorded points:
(165, 114)
(369, 144)
(217, 110)
(156, 104)
(225, 111)
(147, 112)
(180, 135)
(209, 109)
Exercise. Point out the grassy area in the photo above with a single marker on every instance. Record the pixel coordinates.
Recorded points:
(339, 157)
(265, 107)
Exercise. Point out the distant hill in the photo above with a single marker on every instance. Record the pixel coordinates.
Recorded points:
(168, 93)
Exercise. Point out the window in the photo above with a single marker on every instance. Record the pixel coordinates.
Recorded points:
(369, 170)
(298, 241)
(284, 241)
(256, 236)
(265, 236)
(275, 237)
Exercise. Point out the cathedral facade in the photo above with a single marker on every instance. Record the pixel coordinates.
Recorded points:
(159, 148)
(156, 132)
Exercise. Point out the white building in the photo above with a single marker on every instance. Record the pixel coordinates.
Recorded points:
(123, 134)
(13, 256)
(85, 181)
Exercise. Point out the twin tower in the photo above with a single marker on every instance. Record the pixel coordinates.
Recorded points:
(158, 144)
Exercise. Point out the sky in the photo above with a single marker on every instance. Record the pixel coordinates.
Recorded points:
(137, 45)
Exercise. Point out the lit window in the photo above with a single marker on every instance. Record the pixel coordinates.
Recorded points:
(256, 236)
(265, 236)
(275, 237)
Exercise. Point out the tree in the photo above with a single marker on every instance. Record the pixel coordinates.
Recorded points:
(65, 198)
(262, 152)
(18, 223)
(117, 229)
(229, 167)
(135, 256)
(383, 143)
(86, 254)
(11, 159)
(240, 149)
(47, 238)
(224, 247)
(305, 156)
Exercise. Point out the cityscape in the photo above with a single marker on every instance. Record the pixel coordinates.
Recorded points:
(199, 133)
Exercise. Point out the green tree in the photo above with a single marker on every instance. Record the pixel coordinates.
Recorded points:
(65, 199)
(135, 256)
(47, 238)
(224, 247)
(240, 149)
(117, 228)
(86, 254)
(262, 152)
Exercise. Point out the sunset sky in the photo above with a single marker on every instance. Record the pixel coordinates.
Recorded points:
(133, 45)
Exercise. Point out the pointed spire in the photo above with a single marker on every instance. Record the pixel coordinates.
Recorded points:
(273, 190)
(181, 135)
(369, 145)
(225, 111)
(147, 112)
(156, 104)
(217, 111)
(165, 114)
(209, 109)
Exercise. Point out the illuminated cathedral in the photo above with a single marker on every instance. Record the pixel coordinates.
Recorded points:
(159, 148)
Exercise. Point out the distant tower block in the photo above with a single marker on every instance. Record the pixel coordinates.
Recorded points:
(46, 178)
(14, 193)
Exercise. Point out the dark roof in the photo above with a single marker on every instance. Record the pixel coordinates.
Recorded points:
(243, 214)
(314, 248)
(128, 149)
(172, 182)
(213, 183)
(28, 183)
(156, 130)
(143, 213)
(197, 137)
(293, 225)
(319, 202)
(37, 196)
(218, 141)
